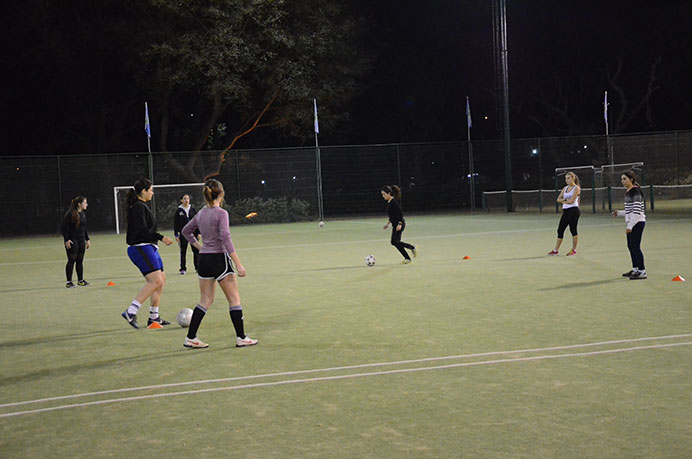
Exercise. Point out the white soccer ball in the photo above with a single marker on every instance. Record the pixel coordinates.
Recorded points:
(370, 260)
(321, 224)
(184, 317)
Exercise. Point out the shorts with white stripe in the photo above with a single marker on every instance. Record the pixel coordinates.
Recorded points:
(215, 266)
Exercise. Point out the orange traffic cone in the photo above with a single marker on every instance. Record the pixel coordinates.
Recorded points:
(467, 257)
(679, 279)
(155, 325)
(110, 284)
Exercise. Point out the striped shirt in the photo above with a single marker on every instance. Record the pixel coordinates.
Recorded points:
(634, 207)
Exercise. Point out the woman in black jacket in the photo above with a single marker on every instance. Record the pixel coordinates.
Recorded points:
(392, 194)
(183, 214)
(74, 232)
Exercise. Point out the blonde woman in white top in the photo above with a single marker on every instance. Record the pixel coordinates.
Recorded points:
(569, 197)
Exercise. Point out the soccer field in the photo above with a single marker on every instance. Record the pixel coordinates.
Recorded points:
(509, 353)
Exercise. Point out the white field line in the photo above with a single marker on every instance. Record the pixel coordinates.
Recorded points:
(318, 244)
(336, 377)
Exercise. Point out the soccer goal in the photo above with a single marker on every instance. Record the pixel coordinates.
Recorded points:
(166, 200)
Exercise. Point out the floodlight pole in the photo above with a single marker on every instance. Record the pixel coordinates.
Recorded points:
(471, 172)
(500, 25)
(318, 166)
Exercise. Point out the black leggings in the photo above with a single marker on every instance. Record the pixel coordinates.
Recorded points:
(183, 252)
(634, 241)
(396, 241)
(570, 216)
(75, 256)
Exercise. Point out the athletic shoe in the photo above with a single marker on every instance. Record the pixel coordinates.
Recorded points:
(194, 343)
(83, 283)
(629, 273)
(406, 261)
(415, 252)
(571, 252)
(243, 342)
(131, 319)
(638, 275)
(159, 320)
(552, 252)
(69, 284)
(182, 272)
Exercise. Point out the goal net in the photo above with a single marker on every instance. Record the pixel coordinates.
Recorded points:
(166, 199)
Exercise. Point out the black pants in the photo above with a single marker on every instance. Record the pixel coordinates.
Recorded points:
(570, 216)
(75, 257)
(183, 253)
(396, 241)
(634, 241)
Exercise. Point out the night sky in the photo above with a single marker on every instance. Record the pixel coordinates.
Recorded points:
(429, 56)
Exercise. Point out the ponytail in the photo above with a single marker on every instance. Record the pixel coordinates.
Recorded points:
(632, 176)
(394, 190)
(134, 192)
(212, 190)
(72, 212)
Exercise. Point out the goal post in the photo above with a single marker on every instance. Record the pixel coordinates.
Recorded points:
(167, 199)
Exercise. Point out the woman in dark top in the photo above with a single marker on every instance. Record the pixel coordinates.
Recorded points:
(392, 194)
(142, 239)
(183, 214)
(74, 232)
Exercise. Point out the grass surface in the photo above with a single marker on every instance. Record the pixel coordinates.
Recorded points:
(511, 353)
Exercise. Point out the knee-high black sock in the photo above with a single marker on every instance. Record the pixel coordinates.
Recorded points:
(197, 316)
(237, 318)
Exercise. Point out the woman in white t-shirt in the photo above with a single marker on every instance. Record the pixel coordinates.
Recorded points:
(569, 197)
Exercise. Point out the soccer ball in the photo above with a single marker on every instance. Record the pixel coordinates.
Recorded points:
(321, 224)
(184, 317)
(370, 260)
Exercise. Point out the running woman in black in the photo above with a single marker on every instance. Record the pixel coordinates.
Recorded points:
(74, 232)
(635, 219)
(392, 194)
(569, 197)
(183, 214)
(142, 239)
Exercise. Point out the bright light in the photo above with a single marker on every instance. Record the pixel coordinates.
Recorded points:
(294, 177)
(485, 117)
(262, 182)
(586, 147)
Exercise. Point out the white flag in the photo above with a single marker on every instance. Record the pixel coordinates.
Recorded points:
(317, 126)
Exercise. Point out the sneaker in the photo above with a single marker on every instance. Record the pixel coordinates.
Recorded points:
(83, 283)
(414, 252)
(571, 252)
(182, 272)
(159, 320)
(247, 341)
(406, 261)
(552, 252)
(628, 273)
(69, 284)
(638, 275)
(194, 343)
(131, 319)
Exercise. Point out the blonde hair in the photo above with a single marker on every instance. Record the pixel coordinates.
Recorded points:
(212, 190)
(576, 178)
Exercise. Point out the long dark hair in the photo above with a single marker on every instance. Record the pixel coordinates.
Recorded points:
(139, 186)
(212, 189)
(393, 190)
(72, 211)
(632, 176)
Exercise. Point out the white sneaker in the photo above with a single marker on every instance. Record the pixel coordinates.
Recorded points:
(194, 343)
(247, 341)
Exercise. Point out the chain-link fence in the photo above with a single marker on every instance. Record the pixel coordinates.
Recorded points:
(433, 176)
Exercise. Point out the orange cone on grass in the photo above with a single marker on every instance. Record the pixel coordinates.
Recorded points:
(110, 284)
(467, 257)
(155, 325)
(679, 279)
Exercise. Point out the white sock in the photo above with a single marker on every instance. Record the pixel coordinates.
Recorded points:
(154, 312)
(134, 308)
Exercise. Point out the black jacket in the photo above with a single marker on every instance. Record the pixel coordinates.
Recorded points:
(181, 219)
(73, 233)
(141, 225)
(396, 215)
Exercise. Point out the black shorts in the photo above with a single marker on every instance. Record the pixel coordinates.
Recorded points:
(215, 266)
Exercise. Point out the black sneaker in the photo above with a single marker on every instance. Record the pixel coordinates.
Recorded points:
(131, 319)
(159, 320)
(628, 273)
(638, 275)
(69, 284)
(83, 283)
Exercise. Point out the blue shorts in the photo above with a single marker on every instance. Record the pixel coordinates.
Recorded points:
(146, 258)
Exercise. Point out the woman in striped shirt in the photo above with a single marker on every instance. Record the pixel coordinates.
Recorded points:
(635, 219)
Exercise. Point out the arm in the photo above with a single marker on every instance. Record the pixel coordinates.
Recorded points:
(188, 233)
(575, 195)
(86, 233)
(239, 266)
(559, 197)
(65, 227)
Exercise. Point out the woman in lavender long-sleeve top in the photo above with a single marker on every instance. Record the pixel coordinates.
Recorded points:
(218, 261)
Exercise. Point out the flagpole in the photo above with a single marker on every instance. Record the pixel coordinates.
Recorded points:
(471, 172)
(605, 117)
(318, 166)
(150, 158)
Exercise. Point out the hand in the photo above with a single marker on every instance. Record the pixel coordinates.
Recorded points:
(166, 240)
(241, 271)
(88, 244)
(386, 226)
(398, 227)
(177, 239)
(68, 244)
(615, 213)
(628, 231)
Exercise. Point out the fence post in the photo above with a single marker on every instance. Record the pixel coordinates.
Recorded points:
(593, 190)
(610, 198)
(651, 193)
